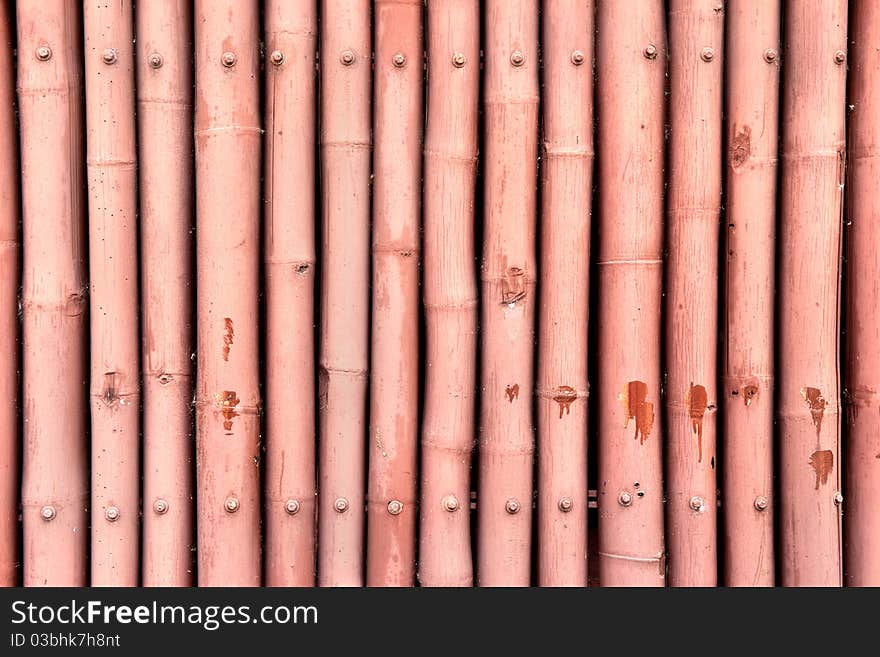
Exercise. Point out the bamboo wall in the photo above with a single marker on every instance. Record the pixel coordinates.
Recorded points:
(443, 293)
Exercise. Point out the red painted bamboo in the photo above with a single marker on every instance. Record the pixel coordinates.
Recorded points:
(115, 384)
(562, 386)
(747, 380)
(863, 315)
(9, 273)
(696, 40)
(342, 376)
(289, 257)
(55, 486)
(227, 132)
(450, 292)
(394, 375)
(165, 105)
(510, 111)
(631, 73)
(811, 199)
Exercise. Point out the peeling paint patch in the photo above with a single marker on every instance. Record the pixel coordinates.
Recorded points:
(636, 407)
(697, 402)
(227, 400)
(740, 146)
(228, 336)
(816, 403)
(822, 462)
(513, 286)
(565, 395)
(748, 392)
(512, 392)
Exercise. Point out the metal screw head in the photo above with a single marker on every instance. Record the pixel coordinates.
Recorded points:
(761, 503)
(565, 504)
(458, 59)
(651, 51)
(577, 57)
(625, 498)
(277, 57)
(347, 57)
(155, 60)
(228, 59)
(839, 57)
(697, 503)
(47, 513)
(770, 55)
(341, 505)
(395, 507)
(838, 498)
(512, 506)
(231, 504)
(707, 54)
(112, 513)
(292, 507)
(450, 503)
(517, 58)
(399, 59)
(43, 53)
(160, 506)
(109, 56)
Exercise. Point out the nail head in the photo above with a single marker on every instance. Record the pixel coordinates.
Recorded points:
(517, 58)
(231, 504)
(292, 507)
(395, 507)
(160, 506)
(577, 57)
(761, 503)
(707, 54)
(625, 498)
(770, 55)
(109, 56)
(697, 503)
(47, 512)
(347, 57)
(399, 59)
(458, 59)
(155, 60)
(277, 57)
(839, 57)
(565, 504)
(44, 53)
(228, 59)
(341, 504)
(651, 51)
(450, 503)
(112, 513)
(512, 506)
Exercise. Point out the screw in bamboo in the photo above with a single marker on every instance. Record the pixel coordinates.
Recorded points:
(10, 263)
(696, 40)
(289, 258)
(394, 372)
(345, 207)
(862, 558)
(510, 110)
(562, 387)
(164, 106)
(811, 199)
(752, 83)
(55, 486)
(115, 389)
(630, 102)
(228, 140)
(449, 292)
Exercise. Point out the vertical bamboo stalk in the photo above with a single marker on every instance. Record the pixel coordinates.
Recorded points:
(562, 386)
(450, 292)
(863, 315)
(342, 377)
(394, 375)
(696, 40)
(289, 257)
(164, 94)
(811, 200)
(9, 272)
(115, 385)
(55, 484)
(631, 74)
(747, 380)
(510, 106)
(227, 132)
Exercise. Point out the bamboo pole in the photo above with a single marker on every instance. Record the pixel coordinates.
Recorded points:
(562, 386)
(165, 105)
(631, 74)
(227, 132)
(394, 375)
(449, 292)
(863, 315)
(510, 110)
(747, 380)
(289, 257)
(342, 376)
(696, 40)
(115, 394)
(811, 199)
(10, 263)
(55, 484)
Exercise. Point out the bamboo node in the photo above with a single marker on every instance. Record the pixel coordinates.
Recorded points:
(109, 56)
(43, 53)
(155, 60)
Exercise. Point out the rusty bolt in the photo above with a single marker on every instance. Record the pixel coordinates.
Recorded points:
(109, 56)
(155, 60)
(697, 503)
(512, 506)
(47, 513)
(399, 60)
(565, 504)
(43, 53)
(112, 513)
(277, 57)
(228, 59)
(761, 503)
(450, 503)
(292, 507)
(625, 498)
(517, 58)
(707, 54)
(395, 507)
(577, 57)
(231, 504)
(458, 59)
(347, 57)
(341, 505)
(160, 506)
(770, 55)
(651, 51)
(839, 57)
(838, 498)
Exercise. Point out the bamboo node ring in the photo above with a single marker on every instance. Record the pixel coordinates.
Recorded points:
(517, 58)
(577, 57)
(459, 60)
(651, 51)
(112, 513)
(292, 507)
(109, 56)
(43, 53)
(277, 57)
(761, 503)
(770, 55)
(450, 503)
(395, 507)
(839, 57)
(707, 54)
(565, 504)
(341, 505)
(399, 60)
(512, 506)
(155, 60)
(228, 59)
(625, 498)
(160, 506)
(47, 513)
(231, 504)
(347, 57)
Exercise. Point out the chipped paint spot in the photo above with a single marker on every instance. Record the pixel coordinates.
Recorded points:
(749, 391)
(822, 462)
(697, 402)
(740, 146)
(228, 400)
(636, 407)
(512, 392)
(513, 286)
(110, 393)
(565, 395)
(817, 403)
(228, 336)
